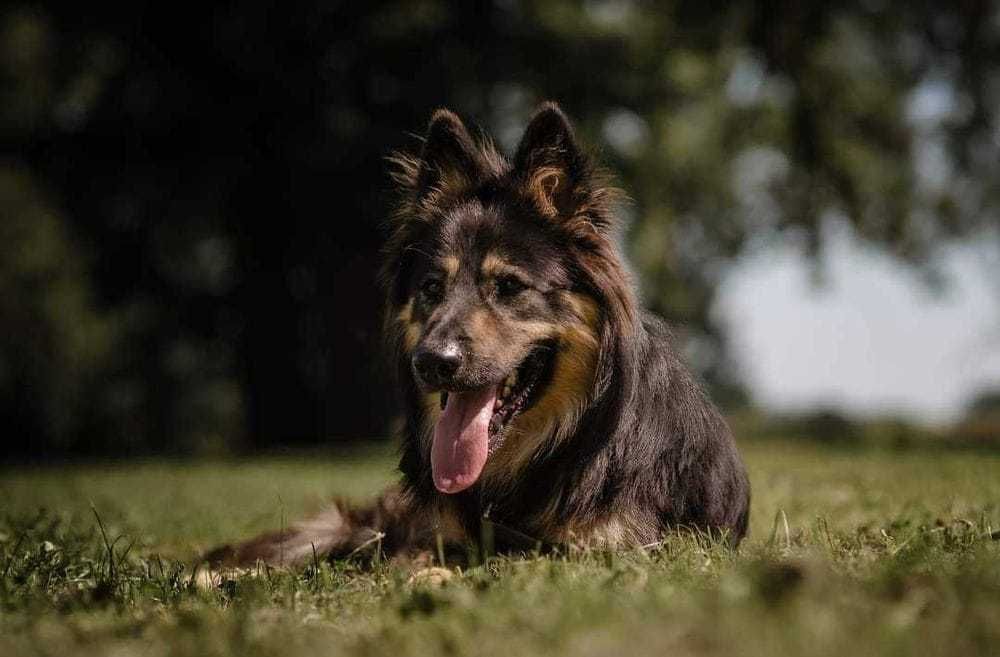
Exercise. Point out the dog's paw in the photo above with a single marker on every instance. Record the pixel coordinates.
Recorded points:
(433, 577)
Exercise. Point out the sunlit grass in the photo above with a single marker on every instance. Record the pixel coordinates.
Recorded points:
(851, 552)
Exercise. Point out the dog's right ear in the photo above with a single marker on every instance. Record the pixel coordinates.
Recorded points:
(450, 158)
(449, 163)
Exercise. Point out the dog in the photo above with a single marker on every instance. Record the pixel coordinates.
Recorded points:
(543, 406)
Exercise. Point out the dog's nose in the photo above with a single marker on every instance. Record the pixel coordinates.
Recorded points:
(437, 367)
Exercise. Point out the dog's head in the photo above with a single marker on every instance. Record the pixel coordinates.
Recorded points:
(502, 277)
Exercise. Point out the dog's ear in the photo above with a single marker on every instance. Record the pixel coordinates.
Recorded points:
(551, 164)
(450, 158)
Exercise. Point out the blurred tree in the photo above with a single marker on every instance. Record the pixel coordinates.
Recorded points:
(985, 404)
(213, 182)
(53, 343)
(981, 425)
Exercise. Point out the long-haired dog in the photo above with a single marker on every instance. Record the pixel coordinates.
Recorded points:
(540, 399)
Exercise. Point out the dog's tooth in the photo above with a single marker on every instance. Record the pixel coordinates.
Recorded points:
(507, 390)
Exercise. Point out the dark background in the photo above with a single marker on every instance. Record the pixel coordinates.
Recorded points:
(192, 201)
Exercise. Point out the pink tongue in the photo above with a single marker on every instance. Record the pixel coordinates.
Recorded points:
(461, 439)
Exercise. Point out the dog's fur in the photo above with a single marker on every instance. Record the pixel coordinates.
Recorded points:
(619, 446)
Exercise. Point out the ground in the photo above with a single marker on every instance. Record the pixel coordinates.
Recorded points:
(852, 551)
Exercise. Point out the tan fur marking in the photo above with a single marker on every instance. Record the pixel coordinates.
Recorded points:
(584, 308)
(481, 327)
(450, 266)
(553, 416)
(492, 265)
(544, 183)
(412, 335)
(538, 331)
(411, 328)
(406, 313)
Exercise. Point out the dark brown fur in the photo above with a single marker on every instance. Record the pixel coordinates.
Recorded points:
(621, 446)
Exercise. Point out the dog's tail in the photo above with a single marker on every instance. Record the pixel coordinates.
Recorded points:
(339, 531)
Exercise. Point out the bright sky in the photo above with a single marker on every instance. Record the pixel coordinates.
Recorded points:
(874, 339)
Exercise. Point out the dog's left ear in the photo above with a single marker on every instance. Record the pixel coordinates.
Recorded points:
(551, 164)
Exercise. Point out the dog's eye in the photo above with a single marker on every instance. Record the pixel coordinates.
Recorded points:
(432, 289)
(508, 287)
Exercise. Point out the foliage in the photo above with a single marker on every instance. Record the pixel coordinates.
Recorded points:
(216, 179)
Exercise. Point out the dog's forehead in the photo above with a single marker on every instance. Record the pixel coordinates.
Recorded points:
(475, 233)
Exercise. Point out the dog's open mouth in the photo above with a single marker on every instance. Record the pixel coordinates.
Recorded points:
(473, 424)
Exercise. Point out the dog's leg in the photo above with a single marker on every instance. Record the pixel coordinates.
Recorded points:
(341, 530)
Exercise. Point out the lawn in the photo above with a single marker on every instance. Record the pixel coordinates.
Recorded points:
(852, 552)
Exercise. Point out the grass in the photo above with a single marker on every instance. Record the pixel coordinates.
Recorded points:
(852, 552)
